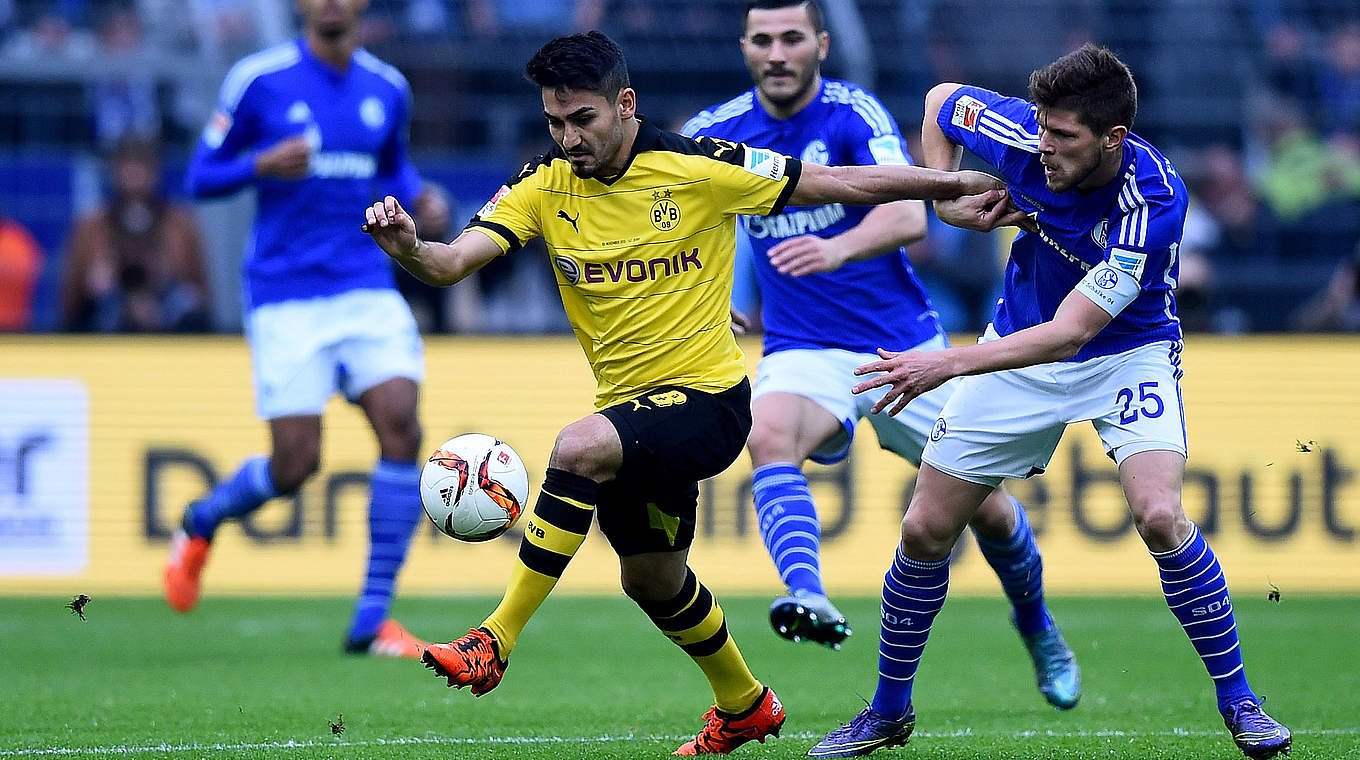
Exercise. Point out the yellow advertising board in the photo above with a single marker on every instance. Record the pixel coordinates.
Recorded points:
(104, 440)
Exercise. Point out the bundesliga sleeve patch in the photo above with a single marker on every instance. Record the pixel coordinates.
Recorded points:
(1109, 288)
(1132, 262)
(966, 113)
(887, 150)
(490, 206)
(216, 131)
(764, 163)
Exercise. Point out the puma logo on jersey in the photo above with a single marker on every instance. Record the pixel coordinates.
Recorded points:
(563, 215)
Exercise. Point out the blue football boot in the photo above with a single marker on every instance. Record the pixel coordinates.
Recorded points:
(1055, 668)
(867, 732)
(1258, 735)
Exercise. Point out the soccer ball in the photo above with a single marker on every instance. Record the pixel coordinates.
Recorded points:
(474, 487)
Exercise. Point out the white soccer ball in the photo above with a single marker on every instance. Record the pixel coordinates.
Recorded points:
(474, 487)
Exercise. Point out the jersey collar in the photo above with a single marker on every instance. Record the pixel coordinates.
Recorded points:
(646, 139)
(322, 66)
(809, 111)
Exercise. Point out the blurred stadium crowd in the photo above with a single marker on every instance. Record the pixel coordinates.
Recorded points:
(101, 102)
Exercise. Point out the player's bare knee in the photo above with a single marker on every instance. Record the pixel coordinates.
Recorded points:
(650, 587)
(291, 469)
(578, 451)
(771, 442)
(925, 542)
(401, 442)
(1162, 526)
(995, 519)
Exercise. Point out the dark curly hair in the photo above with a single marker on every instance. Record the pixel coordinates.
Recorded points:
(1091, 81)
(589, 61)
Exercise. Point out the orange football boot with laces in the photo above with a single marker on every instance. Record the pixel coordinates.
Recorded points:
(723, 733)
(392, 640)
(473, 660)
(184, 570)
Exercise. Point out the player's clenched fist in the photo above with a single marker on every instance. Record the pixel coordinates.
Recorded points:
(391, 227)
(286, 159)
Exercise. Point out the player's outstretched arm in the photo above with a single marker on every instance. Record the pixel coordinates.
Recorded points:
(393, 229)
(983, 194)
(911, 373)
(871, 185)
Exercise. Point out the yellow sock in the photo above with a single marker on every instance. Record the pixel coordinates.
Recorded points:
(525, 592)
(552, 534)
(735, 690)
(695, 622)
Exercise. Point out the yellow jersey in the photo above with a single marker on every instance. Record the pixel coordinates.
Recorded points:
(644, 260)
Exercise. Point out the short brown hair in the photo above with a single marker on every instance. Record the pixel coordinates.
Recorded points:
(814, 11)
(1091, 81)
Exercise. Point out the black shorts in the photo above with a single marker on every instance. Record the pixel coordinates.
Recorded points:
(673, 437)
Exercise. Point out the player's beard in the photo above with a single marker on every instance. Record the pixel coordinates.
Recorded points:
(804, 84)
(602, 158)
(1080, 174)
(333, 31)
(584, 172)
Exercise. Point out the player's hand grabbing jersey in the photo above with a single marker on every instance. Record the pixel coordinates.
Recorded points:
(644, 261)
(1118, 245)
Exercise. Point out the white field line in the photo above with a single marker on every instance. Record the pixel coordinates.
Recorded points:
(549, 740)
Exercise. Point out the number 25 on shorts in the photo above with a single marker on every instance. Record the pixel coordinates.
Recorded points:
(1150, 404)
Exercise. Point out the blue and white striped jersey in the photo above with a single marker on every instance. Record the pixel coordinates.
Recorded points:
(1134, 223)
(306, 240)
(864, 305)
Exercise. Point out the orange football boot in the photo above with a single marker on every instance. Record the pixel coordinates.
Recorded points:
(473, 660)
(393, 640)
(184, 570)
(723, 733)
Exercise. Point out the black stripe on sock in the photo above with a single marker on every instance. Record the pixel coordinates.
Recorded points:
(572, 486)
(748, 712)
(569, 517)
(668, 608)
(709, 645)
(541, 560)
(691, 615)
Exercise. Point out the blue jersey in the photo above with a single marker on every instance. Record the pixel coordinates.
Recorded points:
(306, 241)
(1134, 223)
(863, 305)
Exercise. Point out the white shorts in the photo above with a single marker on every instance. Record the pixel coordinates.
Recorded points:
(305, 350)
(825, 376)
(1007, 424)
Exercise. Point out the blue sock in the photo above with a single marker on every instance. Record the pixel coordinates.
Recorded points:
(393, 513)
(789, 525)
(913, 593)
(1021, 571)
(239, 495)
(1197, 593)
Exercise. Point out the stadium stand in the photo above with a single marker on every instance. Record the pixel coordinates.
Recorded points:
(1257, 101)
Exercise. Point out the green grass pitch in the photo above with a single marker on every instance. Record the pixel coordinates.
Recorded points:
(264, 678)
